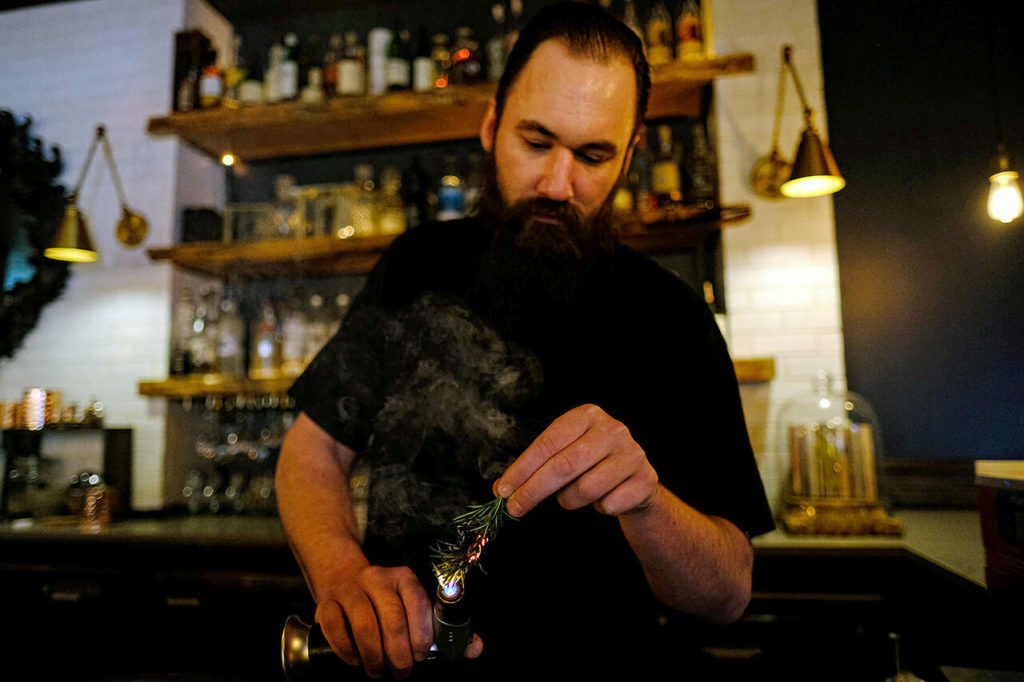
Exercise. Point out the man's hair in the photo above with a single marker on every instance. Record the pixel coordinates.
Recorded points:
(587, 31)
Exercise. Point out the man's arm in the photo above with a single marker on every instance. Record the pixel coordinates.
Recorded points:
(695, 563)
(371, 615)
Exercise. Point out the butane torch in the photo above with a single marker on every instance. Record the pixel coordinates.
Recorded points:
(306, 655)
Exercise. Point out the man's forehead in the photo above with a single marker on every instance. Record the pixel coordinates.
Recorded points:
(558, 84)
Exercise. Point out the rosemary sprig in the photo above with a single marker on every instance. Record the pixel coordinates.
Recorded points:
(474, 529)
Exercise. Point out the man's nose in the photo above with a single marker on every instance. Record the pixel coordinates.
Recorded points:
(556, 180)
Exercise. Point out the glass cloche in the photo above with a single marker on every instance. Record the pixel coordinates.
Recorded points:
(828, 470)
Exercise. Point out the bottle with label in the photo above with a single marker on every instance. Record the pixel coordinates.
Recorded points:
(659, 35)
(230, 338)
(378, 42)
(250, 91)
(417, 197)
(423, 75)
(352, 66)
(701, 167)
(631, 18)
(186, 95)
(364, 206)
(466, 68)
(293, 336)
(640, 177)
(335, 48)
(442, 58)
(272, 77)
(495, 47)
(288, 75)
(391, 210)
(689, 33)
(265, 349)
(318, 328)
(234, 75)
(451, 196)
(399, 68)
(665, 179)
(211, 88)
(313, 92)
(184, 312)
(202, 344)
(341, 305)
(474, 181)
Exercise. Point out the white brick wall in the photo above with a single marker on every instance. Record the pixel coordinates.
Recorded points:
(71, 66)
(781, 275)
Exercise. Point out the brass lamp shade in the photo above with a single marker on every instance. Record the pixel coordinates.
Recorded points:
(815, 172)
(73, 242)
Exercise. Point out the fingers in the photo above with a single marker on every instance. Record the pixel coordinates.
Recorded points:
(381, 619)
(588, 456)
(475, 647)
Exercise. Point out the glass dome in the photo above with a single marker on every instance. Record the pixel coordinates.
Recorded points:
(828, 470)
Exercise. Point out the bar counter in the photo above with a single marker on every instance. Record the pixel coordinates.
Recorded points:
(214, 592)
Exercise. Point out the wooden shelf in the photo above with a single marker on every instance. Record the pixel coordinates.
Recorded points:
(401, 118)
(211, 385)
(216, 386)
(328, 255)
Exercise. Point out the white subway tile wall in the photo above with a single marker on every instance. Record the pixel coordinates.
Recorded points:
(71, 66)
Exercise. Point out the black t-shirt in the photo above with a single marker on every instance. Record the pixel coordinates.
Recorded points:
(439, 384)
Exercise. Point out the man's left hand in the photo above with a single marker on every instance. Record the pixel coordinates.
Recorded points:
(587, 457)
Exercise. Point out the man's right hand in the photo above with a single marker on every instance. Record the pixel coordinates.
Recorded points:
(380, 616)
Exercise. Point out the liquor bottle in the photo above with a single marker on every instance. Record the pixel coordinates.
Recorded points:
(364, 207)
(474, 181)
(250, 91)
(631, 19)
(399, 65)
(293, 335)
(451, 198)
(417, 196)
(640, 177)
(184, 311)
(186, 95)
(391, 212)
(230, 338)
(289, 68)
(286, 220)
(264, 351)
(272, 77)
(313, 92)
(318, 328)
(442, 58)
(202, 343)
(234, 74)
(495, 47)
(341, 305)
(665, 173)
(659, 35)
(334, 53)
(515, 13)
(352, 66)
(423, 76)
(689, 33)
(466, 68)
(700, 167)
(211, 87)
(378, 43)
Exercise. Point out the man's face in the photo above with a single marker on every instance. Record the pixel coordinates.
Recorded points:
(566, 131)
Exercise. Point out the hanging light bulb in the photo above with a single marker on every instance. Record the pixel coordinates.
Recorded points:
(1005, 202)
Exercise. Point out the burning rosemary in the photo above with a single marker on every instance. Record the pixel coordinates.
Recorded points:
(474, 529)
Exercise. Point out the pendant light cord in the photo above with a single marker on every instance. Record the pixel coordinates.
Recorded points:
(997, 118)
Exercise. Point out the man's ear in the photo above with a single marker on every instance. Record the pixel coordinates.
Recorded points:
(629, 151)
(489, 126)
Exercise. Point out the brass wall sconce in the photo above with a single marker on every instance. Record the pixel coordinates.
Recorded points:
(74, 241)
(813, 171)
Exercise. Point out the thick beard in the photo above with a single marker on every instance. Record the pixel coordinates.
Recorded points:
(534, 272)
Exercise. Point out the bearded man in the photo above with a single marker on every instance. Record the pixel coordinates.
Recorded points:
(524, 353)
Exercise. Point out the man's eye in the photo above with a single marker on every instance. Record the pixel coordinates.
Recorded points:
(591, 159)
(536, 145)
